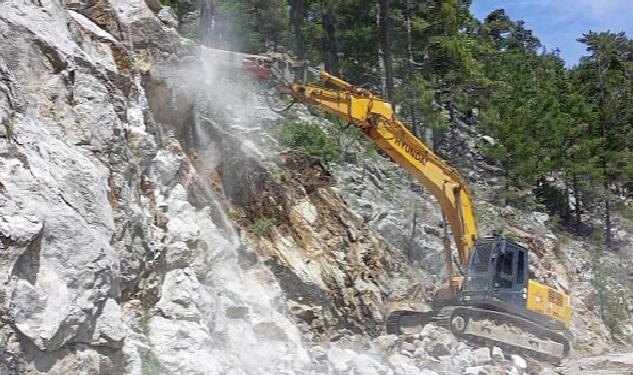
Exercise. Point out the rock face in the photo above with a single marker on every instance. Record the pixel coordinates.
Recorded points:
(148, 225)
(121, 204)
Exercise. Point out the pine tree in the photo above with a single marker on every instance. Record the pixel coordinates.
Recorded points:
(259, 25)
(607, 84)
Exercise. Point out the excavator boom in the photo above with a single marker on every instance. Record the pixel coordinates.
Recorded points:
(376, 118)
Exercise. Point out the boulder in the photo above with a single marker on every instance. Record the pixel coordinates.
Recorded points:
(178, 255)
(488, 139)
(340, 359)
(110, 329)
(518, 361)
(154, 5)
(482, 356)
(167, 16)
(464, 358)
(269, 331)
(179, 295)
(497, 354)
(547, 371)
(476, 370)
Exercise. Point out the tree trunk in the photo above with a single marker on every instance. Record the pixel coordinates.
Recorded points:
(384, 23)
(578, 207)
(408, 20)
(605, 135)
(410, 72)
(381, 63)
(414, 232)
(329, 36)
(206, 22)
(451, 113)
(297, 18)
(566, 212)
(429, 138)
(607, 221)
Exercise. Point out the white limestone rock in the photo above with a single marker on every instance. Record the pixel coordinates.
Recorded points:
(307, 211)
(167, 16)
(518, 361)
(179, 295)
(497, 354)
(341, 360)
(476, 370)
(482, 356)
(183, 347)
(110, 329)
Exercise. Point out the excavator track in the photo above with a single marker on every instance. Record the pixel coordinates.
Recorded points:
(397, 321)
(489, 328)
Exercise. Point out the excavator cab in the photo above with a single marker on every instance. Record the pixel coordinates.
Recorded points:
(497, 278)
(498, 270)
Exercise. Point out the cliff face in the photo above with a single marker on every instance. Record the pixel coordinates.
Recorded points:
(121, 205)
(148, 224)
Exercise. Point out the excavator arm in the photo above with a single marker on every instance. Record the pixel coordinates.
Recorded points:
(376, 118)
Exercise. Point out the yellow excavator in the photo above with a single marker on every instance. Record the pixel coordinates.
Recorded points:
(489, 299)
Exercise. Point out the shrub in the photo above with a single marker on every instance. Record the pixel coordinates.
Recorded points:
(143, 322)
(563, 238)
(610, 283)
(626, 210)
(7, 122)
(150, 364)
(264, 226)
(308, 138)
(511, 236)
(612, 296)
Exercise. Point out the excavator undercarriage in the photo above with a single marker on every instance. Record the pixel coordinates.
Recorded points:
(486, 327)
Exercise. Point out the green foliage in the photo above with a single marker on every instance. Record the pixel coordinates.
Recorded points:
(626, 211)
(308, 138)
(554, 224)
(511, 236)
(563, 238)
(145, 319)
(264, 226)
(613, 296)
(253, 25)
(346, 136)
(181, 8)
(612, 287)
(150, 364)
(7, 122)
(417, 98)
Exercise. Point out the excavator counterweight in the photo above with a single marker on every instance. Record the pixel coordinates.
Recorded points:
(493, 301)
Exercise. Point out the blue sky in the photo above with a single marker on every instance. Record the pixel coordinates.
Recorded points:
(558, 23)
